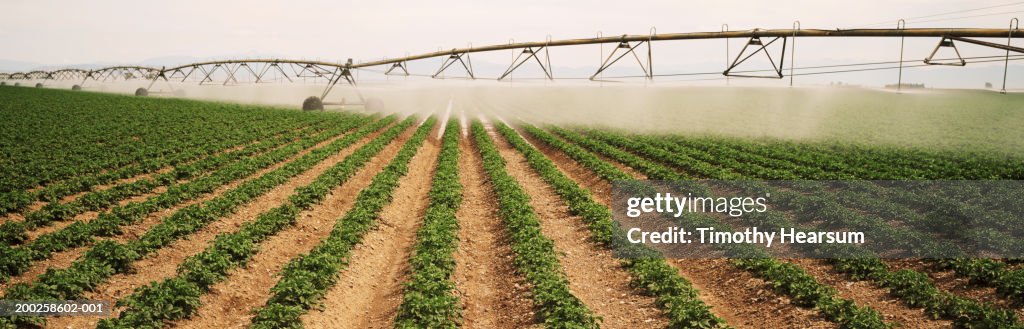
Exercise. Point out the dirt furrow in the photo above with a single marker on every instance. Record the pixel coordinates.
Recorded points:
(743, 300)
(493, 295)
(627, 169)
(38, 204)
(169, 167)
(58, 260)
(733, 294)
(64, 259)
(12, 217)
(128, 180)
(163, 263)
(599, 188)
(948, 280)
(90, 215)
(595, 276)
(864, 293)
(369, 290)
(230, 302)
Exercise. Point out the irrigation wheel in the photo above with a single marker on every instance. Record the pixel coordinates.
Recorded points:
(312, 103)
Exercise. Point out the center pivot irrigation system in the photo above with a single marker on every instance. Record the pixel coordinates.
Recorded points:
(639, 47)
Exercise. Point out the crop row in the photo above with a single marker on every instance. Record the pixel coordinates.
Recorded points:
(53, 192)
(945, 214)
(104, 133)
(14, 232)
(307, 278)
(988, 226)
(535, 256)
(428, 300)
(108, 258)
(1008, 282)
(178, 297)
(876, 200)
(911, 286)
(999, 195)
(674, 294)
(879, 201)
(744, 167)
(914, 288)
(877, 163)
(16, 260)
(785, 278)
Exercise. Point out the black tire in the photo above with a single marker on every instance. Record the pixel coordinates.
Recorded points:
(141, 92)
(312, 103)
(2, 83)
(39, 85)
(76, 87)
(17, 84)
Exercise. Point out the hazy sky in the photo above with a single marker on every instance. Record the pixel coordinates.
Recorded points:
(64, 32)
(55, 32)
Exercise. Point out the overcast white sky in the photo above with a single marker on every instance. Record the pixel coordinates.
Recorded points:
(53, 32)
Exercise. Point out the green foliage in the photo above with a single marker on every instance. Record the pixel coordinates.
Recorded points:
(233, 250)
(534, 253)
(307, 278)
(102, 138)
(877, 203)
(674, 294)
(785, 278)
(429, 300)
(87, 272)
(108, 223)
(202, 164)
(913, 287)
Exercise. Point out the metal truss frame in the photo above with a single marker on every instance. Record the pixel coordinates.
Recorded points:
(945, 42)
(530, 53)
(230, 72)
(456, 57)
(761, 46)
(630, 48)
(398, 65)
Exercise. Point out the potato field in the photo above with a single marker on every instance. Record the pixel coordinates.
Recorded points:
(195, 214)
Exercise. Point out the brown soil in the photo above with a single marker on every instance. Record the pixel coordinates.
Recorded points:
(128, 180)
(629, 170)
(734, 295)
(595, 276)
(165, 169)
(369, 291)
(865, 293)
(131, 232)
(492, 294)
(948, 280)
(90, 215)
(599, 188)
(36, 205)
(743, 300)
(58, 260)
(163, 263)
(12, 217)
(230, 302)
